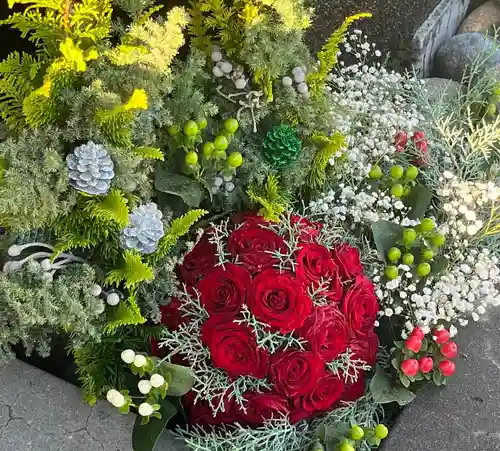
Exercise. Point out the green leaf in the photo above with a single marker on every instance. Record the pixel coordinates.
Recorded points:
(438, 378)
(385, 235)
(179, 185)
(418, 200)
(384, 392)
(439, 265)
(404, 380)
(182, 379)
(145, 437)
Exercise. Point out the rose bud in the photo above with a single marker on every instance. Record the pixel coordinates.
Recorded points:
(449, 350)
(400, 140)
(413, 344)
(426, 364)
(440, 336)
(417, 332)
(447, 367)
(409, 367)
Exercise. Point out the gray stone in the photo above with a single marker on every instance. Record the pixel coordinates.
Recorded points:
(456, 55)
(464, 415)
(442, 89)
(441, 25)
(39, 412)
(482, 19)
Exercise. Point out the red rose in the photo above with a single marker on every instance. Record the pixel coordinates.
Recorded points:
(360, 306)
(347, 259)
(233, 347)
(279, 300)
(354, 390)
(308, 231)
(327, 392)
(199, 261)
(253, 247)
(365, 348)
(224, 289)
(326, 332)
(409, 367)
(413, 344)
(449, 350)
(295, 373)
(202, 414)
(315, 265)
(247, 219)
(264, 406)
(171, 316)
(425, 364)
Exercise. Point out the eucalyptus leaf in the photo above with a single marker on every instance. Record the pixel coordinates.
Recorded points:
(385, 235)
(439, 265)
(182, 378)
(188, 189)
(145, 436)
(384, 392)
(418, 200)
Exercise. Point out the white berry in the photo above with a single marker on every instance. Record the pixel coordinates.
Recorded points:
(128, 356)
(96, 290)
(229, 186)
(216, 56)
(299, 77)
(139, 361)
(157, 380)
(145, 409)
(241, 83)
(115, 398)
(218, 181)
(302, 88)
(144, 387)
(46, 265)
(217, 71)
(226, 67)
(113, 299)
(286, 81)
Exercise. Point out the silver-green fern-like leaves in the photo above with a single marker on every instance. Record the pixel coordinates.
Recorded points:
(91, 169)
(145, 229)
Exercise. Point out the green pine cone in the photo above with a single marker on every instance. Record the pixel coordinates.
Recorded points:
(281, 146)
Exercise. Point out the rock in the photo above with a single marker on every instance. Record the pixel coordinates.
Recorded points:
(457, 54)
(442, 89)
(482, 19)
(464, 415)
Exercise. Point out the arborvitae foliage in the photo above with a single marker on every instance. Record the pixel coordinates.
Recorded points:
(33, 308)
(272, 198)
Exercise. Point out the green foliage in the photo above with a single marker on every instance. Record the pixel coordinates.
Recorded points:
(18, 78)
(131, 271)
(136, 8)
(151, 153)
(126, 313)
(272, 198)
(32, 309)
(328, 55)
(178, 228)
(99, 365)
(49, 22)
(329, 146)
(384, 391)
(33, 189)
(112, 209)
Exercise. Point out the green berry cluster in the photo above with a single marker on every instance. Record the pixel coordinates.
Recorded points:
(213, 153)
(399, 180)
(358, 435)
(417, 248)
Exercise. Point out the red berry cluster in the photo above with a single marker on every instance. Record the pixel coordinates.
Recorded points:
(422, 356)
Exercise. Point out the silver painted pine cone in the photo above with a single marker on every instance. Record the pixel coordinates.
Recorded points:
(144, 230)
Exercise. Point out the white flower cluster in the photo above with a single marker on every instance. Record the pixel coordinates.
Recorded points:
(465, 290)
(361, 204)
(373, 108)
(466, 205)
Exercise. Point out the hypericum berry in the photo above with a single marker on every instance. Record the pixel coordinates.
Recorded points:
(202, 123)
(221, 143)
(423, 269)
(391, 272)
(220, 154)
(411, 172)
(394, 254)
(441, 336)
(408, 259)
(128, 356)
(397, 172)
(191, 128)
(208, 149)
(145, 409)
(449, 350)
(173, 130)
(157, 380)
(357, 432)
(347, 447)
(113, 299)
(381, 431)
(406, 191)
(231, 125)
(414, 344)
(409, 236)
(427, 254)
(375, 172)
(235, 159)
(397, 190)
(191, 158)
(409, 367)
(144, 387)
(426, 364)
(139, 361)
(427, 225)
(438, 240)
(417, 332)
(447, 367)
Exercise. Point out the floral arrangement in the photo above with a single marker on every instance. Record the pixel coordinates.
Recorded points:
(347, 219)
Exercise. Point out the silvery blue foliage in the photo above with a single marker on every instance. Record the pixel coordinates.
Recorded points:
(90, 168)
(144, 230)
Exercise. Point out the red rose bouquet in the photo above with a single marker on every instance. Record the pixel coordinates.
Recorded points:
(274, 322)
